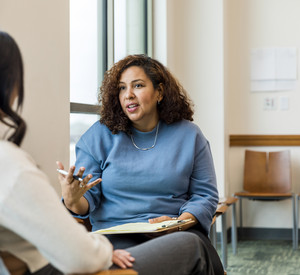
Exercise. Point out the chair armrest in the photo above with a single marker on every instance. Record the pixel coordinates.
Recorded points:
(17, 267)
(221, 209)
(228, 200)
(115, 272)
(85, 222)
(14, 265)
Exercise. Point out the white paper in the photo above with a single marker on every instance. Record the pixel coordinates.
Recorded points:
(273, 85)
(286, 63)
(273, 69)
(140, 227)
(263, 64)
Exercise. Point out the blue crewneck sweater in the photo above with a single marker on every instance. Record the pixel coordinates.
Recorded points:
(175, 176)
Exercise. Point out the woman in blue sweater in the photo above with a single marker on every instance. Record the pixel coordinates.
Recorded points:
(155, 164)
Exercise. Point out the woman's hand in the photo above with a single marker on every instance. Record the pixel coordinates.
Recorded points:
(73, 190)
(183, 216)
(122, 258)
(160, 219)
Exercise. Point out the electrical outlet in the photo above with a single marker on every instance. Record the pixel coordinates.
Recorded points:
(269, 103)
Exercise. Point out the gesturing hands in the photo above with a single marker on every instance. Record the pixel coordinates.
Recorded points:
(73, 189)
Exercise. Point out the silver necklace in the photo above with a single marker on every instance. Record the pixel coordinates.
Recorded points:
(146, 149)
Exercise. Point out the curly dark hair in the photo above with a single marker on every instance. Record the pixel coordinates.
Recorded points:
(175, 105)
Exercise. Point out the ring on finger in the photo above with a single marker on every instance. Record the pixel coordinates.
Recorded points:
(81, 185)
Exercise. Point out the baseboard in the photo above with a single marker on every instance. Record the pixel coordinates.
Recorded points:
(250, 233)
(254, 233)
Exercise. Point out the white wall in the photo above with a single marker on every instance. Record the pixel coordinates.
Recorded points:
(189, 41)
(249, 24)
(206, 44)
(41, 29)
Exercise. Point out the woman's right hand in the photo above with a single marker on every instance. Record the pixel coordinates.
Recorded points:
(73, 190)
(122, 258)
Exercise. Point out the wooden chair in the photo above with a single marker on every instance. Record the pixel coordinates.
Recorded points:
(114, 272)
(267, 177)
(17, 267)
(220, 212)
(223, 205)
(231, 201)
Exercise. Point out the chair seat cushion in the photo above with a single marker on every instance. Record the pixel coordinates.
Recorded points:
(261, 195)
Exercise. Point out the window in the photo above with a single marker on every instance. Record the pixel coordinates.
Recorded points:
(132, 26)
(101, 33)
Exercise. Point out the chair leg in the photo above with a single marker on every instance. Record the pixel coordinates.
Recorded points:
(224, 240)
(234, 230)
(296, 203)
(213, 235)
(294, 222)
(241, 212)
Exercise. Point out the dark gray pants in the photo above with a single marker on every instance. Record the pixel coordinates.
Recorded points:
(179, 253)
(126, 241)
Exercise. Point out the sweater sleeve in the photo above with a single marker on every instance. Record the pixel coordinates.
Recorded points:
(92, 166)
(203, 193)
(31, 209)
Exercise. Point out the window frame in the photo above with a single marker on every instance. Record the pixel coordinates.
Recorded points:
(105, 22)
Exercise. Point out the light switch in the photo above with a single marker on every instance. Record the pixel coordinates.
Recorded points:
(269, 103)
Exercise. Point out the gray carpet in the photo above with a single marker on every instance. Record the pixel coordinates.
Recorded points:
(264, 257)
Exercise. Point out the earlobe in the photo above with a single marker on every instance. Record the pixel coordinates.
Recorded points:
(160, 91)
(159, 98)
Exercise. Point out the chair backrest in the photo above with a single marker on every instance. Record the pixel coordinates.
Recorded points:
(12, 264)
(267, 172)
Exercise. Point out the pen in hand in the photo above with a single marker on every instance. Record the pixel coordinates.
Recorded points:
(63, 172)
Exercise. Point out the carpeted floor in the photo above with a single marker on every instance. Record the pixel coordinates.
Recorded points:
(264, 257)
